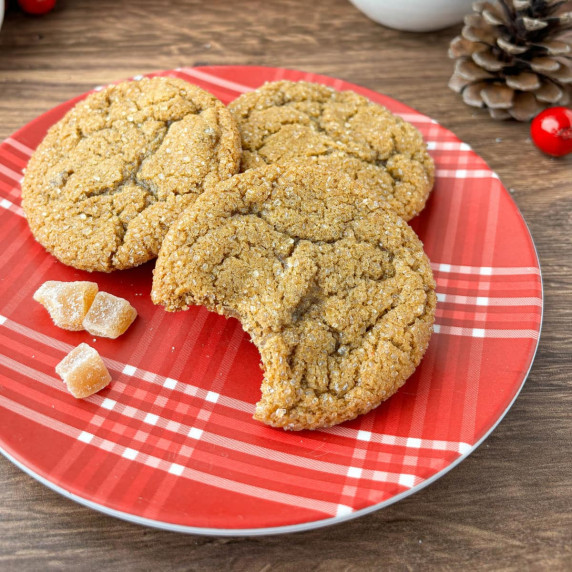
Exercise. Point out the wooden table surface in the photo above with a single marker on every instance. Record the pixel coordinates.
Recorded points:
(507, 506)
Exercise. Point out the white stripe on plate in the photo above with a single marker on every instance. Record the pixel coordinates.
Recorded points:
(484, 270)
(416, 118)
(218, 440)
(448, 146)
(485, 332)
(466, 174)
(10, 206)
(162, 465)
(394, 440)
(488, 300)
(246, 448)
(214, 80)
(235, 403)
(19, 146)
(11, 173)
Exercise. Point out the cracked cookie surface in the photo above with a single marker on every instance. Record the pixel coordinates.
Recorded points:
(333, 287)
(344, 131)
(103, 187)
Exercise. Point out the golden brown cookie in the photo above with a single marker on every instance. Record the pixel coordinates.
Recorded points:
(344, 131)
(334, 288)
(108, 179)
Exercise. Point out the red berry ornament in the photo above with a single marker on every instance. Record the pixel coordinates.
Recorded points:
(551, 131)
(36, 7)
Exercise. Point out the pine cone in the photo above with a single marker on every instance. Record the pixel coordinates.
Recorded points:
(514, 57)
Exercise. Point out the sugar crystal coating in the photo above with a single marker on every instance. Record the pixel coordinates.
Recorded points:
(108, 179)
(83, 371)
(333, 287)
(67, 302)
(284, 121)
(109, 316)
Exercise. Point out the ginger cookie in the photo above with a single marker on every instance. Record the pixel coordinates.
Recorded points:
(333, 287)
(343, 131)
(108, 179)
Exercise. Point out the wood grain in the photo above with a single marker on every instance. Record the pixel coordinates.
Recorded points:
(508, 506)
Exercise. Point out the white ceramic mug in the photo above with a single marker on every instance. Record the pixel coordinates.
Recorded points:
(415, 15)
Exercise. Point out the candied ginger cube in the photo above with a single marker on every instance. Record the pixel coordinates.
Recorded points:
(109, 316)
(66, 302)
(83, 371)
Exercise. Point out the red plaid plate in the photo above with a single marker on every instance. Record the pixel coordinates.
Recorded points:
(171, 442)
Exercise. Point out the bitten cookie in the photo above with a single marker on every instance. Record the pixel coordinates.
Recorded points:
(343, 131)
(334, 288)
(108, 179)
